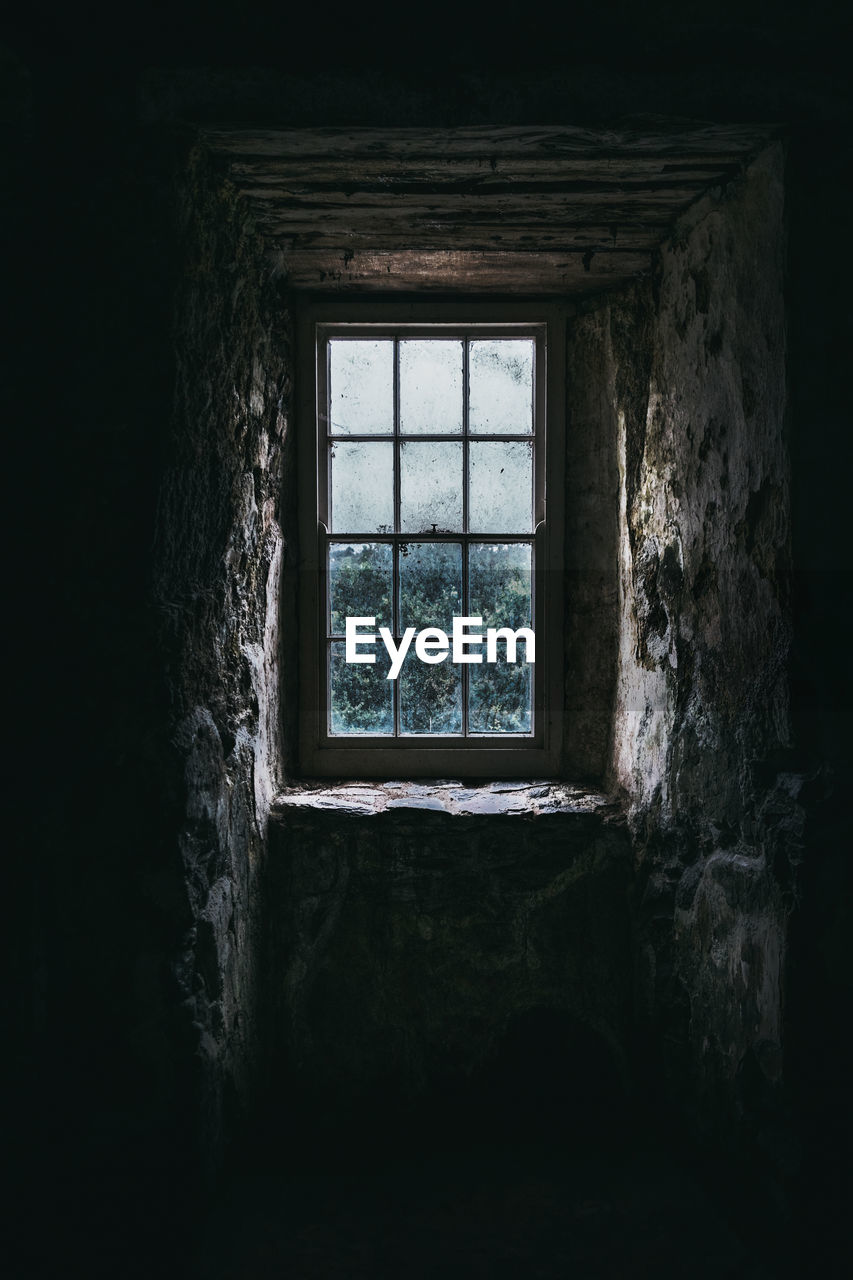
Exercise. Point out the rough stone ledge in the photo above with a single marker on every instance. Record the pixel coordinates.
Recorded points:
(528, 799)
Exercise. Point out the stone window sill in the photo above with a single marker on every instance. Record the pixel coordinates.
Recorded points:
(529, 799)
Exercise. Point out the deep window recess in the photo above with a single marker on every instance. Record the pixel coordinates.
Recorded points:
(430, 493)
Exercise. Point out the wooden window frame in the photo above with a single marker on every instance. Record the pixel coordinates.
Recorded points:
(489, 756)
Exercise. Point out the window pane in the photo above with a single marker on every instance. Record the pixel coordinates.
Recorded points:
(360, 583)
(500, 697)
(430, 584)
(430, 387)
(501, 386)
(499, 585)
(501, 487)
(361, 390)
(362, 487)
(430, 696)
(360, 695)
(430, 487)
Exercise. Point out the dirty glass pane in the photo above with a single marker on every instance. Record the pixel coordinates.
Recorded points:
(501, 487)
(500, 697)
(360, 577)
(361, 386)
(430, 487)
(430, 584)
(499, 585)
(430, 387)
(362, 487)
(501, 386)
(360, 695)
(430, 696)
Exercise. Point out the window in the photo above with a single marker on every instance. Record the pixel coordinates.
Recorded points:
(430, 529)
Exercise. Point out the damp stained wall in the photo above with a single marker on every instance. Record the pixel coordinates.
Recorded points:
(677, 565)
(694, 394)
(218, 567)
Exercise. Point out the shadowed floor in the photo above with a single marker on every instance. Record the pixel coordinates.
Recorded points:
(522, 1212)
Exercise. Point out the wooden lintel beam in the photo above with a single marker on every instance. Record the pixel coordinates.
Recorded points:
(448, 269)
(553, 143)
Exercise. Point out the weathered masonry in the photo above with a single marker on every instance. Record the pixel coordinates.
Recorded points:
(676, 571)
(236, 967)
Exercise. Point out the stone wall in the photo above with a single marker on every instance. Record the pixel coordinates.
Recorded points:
(417, 927)
(695, 382)
(679, 505)
(591, 540)
(217, 579)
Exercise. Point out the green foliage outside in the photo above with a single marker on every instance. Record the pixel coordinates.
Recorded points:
(430, 595)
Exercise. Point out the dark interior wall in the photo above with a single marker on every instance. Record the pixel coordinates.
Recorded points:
(702, 718)
(678, 392)
(591, 562)
(217, 572)
(704, 540)
(819, 971)
(408, 946)
(88, 358)
(98, 1119)
(690, 375)
(105, 1047)
(728, 793)
(163, 394)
